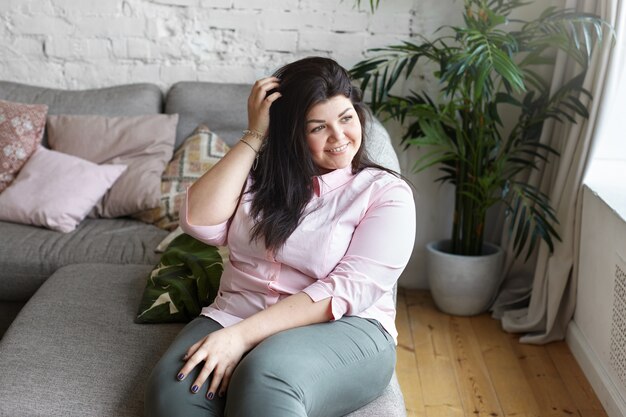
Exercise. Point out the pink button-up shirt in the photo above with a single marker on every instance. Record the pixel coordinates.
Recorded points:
(352, 246)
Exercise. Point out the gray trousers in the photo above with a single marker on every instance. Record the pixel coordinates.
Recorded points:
(328, 369)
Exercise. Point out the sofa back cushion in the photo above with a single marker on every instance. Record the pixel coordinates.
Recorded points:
(223, 107)
(123, 100)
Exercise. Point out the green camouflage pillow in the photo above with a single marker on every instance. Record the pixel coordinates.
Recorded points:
(185, 280)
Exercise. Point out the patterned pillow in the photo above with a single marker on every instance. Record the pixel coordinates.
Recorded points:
(21, 129)
(196, 155)
(186, 279)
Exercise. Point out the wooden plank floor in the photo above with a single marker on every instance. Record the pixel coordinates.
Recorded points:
(467, 366)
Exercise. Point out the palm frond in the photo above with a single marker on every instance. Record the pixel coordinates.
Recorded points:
(373, 4)
(486, 67)
(530, 214)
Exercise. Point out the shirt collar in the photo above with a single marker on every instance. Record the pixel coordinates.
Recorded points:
(323, 184)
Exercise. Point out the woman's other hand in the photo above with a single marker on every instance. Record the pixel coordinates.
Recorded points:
(259, 103)
(220, 351)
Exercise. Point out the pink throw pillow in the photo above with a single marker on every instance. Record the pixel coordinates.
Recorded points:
(21, 129)
(55, 190)
(144, 143)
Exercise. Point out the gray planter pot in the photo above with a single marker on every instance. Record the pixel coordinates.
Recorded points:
(463, 285)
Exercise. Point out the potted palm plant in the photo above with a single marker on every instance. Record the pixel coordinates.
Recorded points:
(488, 65)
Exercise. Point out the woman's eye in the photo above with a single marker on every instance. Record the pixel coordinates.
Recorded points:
(317, 129)
(346, 118)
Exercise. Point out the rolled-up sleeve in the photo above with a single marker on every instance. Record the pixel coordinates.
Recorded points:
(379, 251)
(212, 235)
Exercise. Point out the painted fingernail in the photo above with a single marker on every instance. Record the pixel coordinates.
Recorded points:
(221, 394)
(180, 376)
(194, 389)
(210, 395)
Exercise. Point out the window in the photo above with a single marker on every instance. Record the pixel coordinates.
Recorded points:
(606, 174)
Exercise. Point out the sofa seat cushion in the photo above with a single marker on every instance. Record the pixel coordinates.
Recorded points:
(29, 255)
(389, 404)
(74, 349)
(8, 311)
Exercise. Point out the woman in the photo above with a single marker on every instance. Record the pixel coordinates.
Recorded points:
(303, 324)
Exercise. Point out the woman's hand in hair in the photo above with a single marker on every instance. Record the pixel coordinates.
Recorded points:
(259, 104)
(214, 197)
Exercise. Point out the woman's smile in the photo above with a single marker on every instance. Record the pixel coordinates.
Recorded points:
(339, 149)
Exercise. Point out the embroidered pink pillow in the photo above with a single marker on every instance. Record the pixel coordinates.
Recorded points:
(56, 190)
(21, 129)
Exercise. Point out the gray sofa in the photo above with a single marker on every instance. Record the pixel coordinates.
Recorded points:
(69, 345)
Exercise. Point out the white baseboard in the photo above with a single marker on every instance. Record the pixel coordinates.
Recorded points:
(606, 390)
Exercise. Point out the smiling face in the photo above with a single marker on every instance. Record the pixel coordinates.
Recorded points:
(333, 133)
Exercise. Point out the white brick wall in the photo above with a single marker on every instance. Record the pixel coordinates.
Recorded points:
(94, 43)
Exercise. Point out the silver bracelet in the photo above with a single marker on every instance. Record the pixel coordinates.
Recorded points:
(256, 157)
(253, 133)
(250, 146)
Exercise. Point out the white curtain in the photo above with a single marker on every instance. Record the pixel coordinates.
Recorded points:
(541, 303)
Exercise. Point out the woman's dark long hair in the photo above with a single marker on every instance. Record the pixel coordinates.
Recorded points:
(282, 182)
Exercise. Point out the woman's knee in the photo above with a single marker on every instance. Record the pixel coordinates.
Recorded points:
(317, 371)
(260, 385)
(162, 391)
(165, 395)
